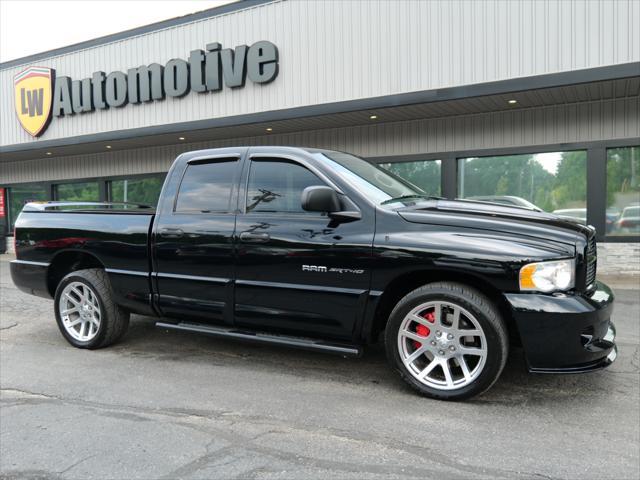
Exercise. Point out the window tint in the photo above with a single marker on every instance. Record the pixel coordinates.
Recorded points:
(276, 186)
(206, 187)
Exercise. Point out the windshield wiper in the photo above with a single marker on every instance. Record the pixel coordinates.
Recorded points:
(406, 197)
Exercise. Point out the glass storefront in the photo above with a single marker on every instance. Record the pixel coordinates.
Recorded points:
(552, 181)
(623, 191)
(23, 194)
(425, 174)
(142, 189)
(78, 192)
(137, 190)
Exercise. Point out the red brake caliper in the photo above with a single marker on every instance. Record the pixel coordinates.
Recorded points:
(423, 330)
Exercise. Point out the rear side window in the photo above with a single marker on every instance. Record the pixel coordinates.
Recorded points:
(206, 187)
(277, 185)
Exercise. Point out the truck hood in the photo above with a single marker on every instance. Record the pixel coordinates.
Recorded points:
(495, 218)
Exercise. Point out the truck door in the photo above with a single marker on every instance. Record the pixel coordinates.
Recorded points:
(193, 234)
(297, 272)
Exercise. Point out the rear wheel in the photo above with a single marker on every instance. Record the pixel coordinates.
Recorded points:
(447, 341)
(85, 311)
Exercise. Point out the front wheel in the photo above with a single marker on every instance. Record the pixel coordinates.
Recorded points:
(447, 341)
(86, 314)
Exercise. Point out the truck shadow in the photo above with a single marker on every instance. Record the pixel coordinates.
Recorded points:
(515, 387)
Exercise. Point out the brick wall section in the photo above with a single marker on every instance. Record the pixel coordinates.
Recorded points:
(613, 258)
(619, 258)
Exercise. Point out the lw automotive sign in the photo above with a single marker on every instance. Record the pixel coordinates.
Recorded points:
(38, 95)
(32, 90)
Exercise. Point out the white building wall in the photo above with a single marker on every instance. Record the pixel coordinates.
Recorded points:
(342, 50)
(575, 123)
(619, 259)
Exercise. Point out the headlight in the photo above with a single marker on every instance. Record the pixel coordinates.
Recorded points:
(548, 276)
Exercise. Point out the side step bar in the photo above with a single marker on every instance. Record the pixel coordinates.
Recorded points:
(346, 350)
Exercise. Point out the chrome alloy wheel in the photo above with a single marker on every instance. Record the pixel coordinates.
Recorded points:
(442, 345)
(80, 311)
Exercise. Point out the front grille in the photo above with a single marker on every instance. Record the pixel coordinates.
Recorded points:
(591, 258)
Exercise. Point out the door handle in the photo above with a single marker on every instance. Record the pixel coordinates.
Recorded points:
(254, 237)
(171, 233)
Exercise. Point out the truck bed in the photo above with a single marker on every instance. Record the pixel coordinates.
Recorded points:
(117, 239)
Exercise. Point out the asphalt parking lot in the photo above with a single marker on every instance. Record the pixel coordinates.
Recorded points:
(175, 405)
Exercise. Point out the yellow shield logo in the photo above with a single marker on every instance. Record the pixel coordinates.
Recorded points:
(33, 96)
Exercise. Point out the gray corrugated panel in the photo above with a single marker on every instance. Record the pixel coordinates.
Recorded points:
(601, 120)
(526, 99)
(333, 51)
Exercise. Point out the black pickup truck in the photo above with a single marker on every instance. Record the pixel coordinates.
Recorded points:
(323, 250)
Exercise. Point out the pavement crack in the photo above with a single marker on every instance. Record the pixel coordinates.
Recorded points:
(200, 462)
(75, 464)
(184, 418)
(9, 326)
(28, 393)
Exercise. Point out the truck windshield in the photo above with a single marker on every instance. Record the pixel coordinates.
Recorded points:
(378, 184)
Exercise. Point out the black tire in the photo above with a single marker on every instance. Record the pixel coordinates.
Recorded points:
(114, 321)
(486, 314)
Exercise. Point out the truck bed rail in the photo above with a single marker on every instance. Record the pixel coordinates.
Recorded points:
(91, 207)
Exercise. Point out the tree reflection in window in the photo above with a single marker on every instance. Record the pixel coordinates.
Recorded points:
(265, 196)
(277, 185)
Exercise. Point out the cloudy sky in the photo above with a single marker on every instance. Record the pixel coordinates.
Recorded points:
(32, 26)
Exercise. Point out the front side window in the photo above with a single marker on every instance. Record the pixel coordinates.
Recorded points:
(206, 187)
(277, 185)
(553, 182)
(623, 191)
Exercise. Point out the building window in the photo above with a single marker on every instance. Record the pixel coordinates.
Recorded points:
(206, 187)
(78, 192)
(20, 195)
(554, 182)
(623, 191)
(425, 174)
(143, 190)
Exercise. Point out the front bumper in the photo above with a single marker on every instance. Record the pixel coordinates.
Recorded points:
(566, 333)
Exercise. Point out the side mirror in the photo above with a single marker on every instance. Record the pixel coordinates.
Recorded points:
(325, 200)
(320, 199)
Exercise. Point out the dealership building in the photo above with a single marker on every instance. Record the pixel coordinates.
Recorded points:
(518, 102)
